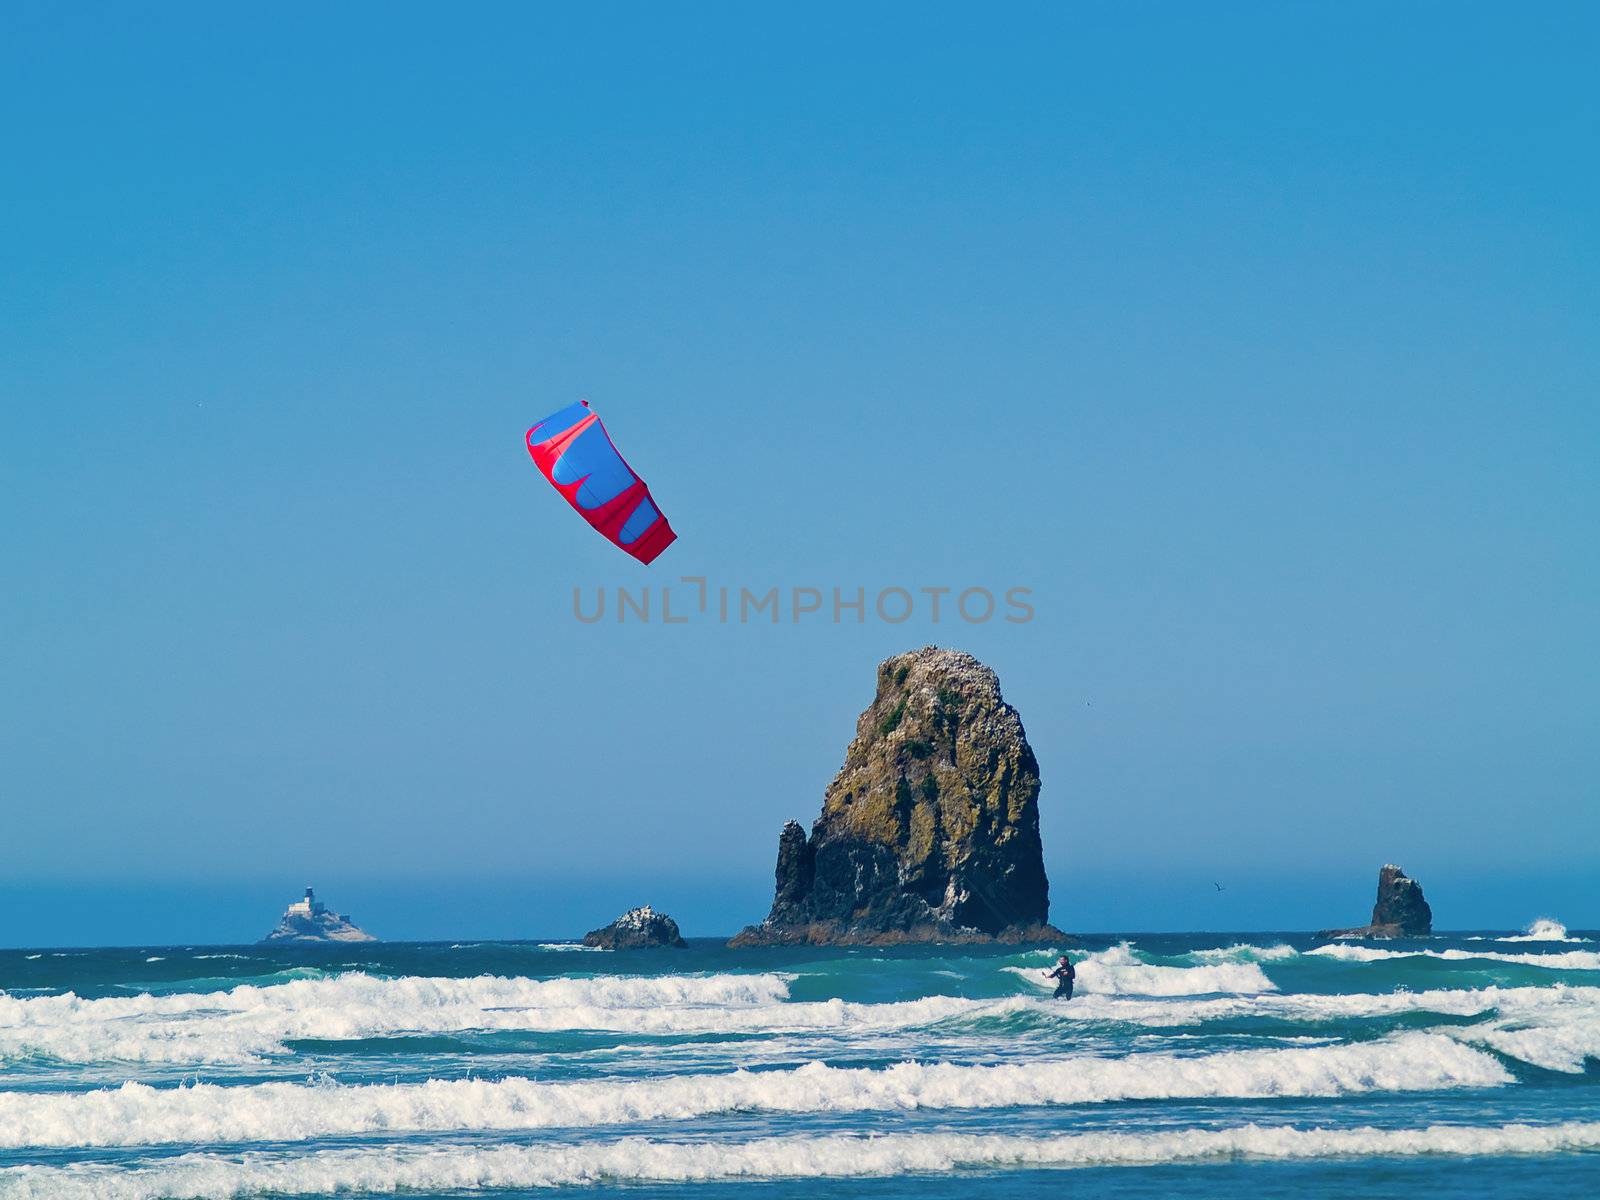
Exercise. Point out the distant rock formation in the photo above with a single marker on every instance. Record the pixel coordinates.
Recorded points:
(636, 929)
(1400, 911)
(930, 831)
(309, 920)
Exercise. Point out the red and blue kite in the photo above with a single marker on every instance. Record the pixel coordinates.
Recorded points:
(574, 452)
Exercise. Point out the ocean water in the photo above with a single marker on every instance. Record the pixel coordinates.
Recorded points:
(1206, 1064)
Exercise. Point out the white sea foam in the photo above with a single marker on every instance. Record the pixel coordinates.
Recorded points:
(1568, 960)
(1545, 929)
(384, 1170)
(1562, 1047)
(1558, 1003)
(1525, 1003)
(1244, 952)
(1559, 1030)
(1120, 971)
(616, 991)
(137, 1114)
(249, 1021)
(558, 947)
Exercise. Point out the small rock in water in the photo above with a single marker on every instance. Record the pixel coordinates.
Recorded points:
(636, 929)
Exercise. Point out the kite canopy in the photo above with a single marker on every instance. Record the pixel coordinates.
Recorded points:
(574, 452)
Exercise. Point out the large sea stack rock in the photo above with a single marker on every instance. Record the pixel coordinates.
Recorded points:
(930, 831)
(1400, 911)
(637, 929)
(1401, 904)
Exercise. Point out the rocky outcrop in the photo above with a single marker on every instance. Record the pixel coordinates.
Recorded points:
(930, 831)
(309, 920)
(637, 929)
(1400, 911)
(1401, 905)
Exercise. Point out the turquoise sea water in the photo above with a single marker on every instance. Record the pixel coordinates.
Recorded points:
(1200, 1063)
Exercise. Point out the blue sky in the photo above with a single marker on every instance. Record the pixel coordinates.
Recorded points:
(1258, 341)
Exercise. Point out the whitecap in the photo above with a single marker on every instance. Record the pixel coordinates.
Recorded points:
(1120, 971)
(1569, 960)
(465, 1168)
(1545, 929)
(250, 1021)
(137, 1114)
(1245, 952)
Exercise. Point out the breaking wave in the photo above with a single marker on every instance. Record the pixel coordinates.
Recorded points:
(1120, 971)
(1568, 960)
(1545, 929)
(247, 1022)
(251, 1023)
(1557, 1003)
(386, 1170)
(137, 1114)
(1244, 952)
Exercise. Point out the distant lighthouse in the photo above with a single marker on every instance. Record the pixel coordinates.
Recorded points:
(309, 920)
(307, 907)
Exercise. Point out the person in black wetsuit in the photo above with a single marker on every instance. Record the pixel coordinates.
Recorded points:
(1064, 975)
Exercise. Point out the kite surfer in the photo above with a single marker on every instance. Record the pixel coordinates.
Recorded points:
(1064, 974)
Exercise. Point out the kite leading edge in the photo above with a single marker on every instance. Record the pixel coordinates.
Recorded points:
(574, 452)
